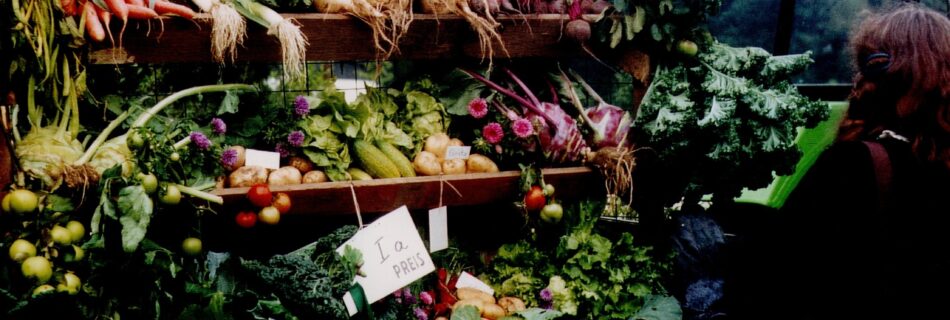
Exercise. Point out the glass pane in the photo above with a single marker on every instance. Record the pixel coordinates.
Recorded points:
(744, 23)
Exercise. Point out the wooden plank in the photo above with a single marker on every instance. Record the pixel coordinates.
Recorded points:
(335, 37)
(384, 195)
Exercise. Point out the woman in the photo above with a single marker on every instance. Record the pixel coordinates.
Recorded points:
(865, 234)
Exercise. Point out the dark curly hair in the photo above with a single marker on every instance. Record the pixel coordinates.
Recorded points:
(902, 55)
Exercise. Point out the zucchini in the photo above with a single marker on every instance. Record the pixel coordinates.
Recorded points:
(375, 161)
(398, 158)
(357, 174)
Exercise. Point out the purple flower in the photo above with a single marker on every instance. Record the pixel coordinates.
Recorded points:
(279, 148)
(200, 140)
(426, 298)
(218, 126)
(493, 133)
(546, 295)
(229, 157)
(478, 108)
(407, 295)
(522, 128)
(301, 106)
(420, 314)
(295, 138)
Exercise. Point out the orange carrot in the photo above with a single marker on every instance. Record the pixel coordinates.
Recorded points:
(136, 2)
(93, 25)
(119, 8)
(165, 7)
(141, 12)
(106, 18)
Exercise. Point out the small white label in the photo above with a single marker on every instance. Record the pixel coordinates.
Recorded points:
(393, 255)
(438, 229)
(467, 280)
(349, 303)
(266, 159)
(455, 152)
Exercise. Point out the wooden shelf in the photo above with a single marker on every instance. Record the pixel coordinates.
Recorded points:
(335, 37)
(333, 198)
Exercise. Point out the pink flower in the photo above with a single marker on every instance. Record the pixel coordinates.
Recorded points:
(218, 126)
(282, 150)
(478, 108)
(296, 138)
(522, 128)
(200, 140)
(493, 133)
(426, 298)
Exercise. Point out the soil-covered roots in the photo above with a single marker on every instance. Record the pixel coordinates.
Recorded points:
(616, 165)
(228, 31)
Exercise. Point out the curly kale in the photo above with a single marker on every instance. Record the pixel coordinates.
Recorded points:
(729, 122)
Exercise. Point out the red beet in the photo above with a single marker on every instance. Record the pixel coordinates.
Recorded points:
(578, 30)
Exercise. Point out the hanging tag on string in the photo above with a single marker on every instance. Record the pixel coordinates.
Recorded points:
(439, 223)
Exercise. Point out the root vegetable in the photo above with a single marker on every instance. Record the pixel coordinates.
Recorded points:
(477, 163)
(93, 25)
(240, 158)
(469, 293)
(578, 30)
(511, 305)
(493, 311)
(165, 7)
(141, 13)
(436, 144)
(477, 303)
(301, 163)
(455, 142)
(315, 176)
(228, 29)
(293, 43)
(454, 166)
(247, 176)
(427, 164)
(284, 176)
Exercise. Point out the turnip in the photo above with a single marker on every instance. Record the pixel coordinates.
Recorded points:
(578, 30)
(293, 43)
(284, 176)
(247, 176)
(228, 29)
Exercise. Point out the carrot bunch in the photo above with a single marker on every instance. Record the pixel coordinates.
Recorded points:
(98, 18)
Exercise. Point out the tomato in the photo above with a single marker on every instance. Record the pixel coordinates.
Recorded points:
(174, 157)
(191, 246)
(21, 249)
(43, 289)
(534, 199)
(171, 196)
(23, 201)
(552, 213)
(548, 190)
(282, 202)
(246, 219)
(149, 182)
(269, 215)
(61, 235)
(687, 48)
(74, 256)
(71, 284)
(260, 195)
(37, 268)
(135, 140)
(76, 230)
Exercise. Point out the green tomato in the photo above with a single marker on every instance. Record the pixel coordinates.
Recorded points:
(61, 235)
(23, 201)
(76, 230)
(21, 250)
(135, 140)
(6, 202)
(191, 246)
(37, 268)
(548, 190)
(43, 289)
(149, 182)
(552, 213)
(174, 157)
(172, 196)
(687, 48)
(71, 284)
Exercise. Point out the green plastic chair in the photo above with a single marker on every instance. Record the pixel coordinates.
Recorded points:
(812, 142)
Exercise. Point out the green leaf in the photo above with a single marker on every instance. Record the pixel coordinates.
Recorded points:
(629, 22)
(539, 314)
(135, 209)
(659, 308)
(57, 203)
(229, 104)
(639, 19)
(466, 313)
(616, 33)
(655, 33)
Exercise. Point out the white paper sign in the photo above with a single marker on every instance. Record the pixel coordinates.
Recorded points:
(455, 152)
(467, 280)
(266, 159)
(438, 229)
(393, 256)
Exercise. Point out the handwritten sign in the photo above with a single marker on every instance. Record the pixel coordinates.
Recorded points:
(467, 280)
(266, 159)
(393, 256)
(438, 229)
(455, 152)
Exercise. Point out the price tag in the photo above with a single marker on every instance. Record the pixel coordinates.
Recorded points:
(393, 256)
(266, 159)
(467, 280)
(455, 152)
(438, 229)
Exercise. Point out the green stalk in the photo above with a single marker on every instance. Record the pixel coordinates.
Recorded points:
(199, 194)
(151, 112)
(91, 150)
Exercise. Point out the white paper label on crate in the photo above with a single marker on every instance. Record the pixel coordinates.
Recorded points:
(393, 255)
(467, 280)
(266, 159)
(438, 229)
(455, 152)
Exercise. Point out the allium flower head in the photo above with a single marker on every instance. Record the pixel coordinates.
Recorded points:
(229, 157)
(478, 108)
(295, 138)
(420, 314)
(426, 298)
(407, 295)
(218, 126)
(493, 133)
(546, 295)
(522, 128)
(200, 140)
(301, 106)
(279, 148)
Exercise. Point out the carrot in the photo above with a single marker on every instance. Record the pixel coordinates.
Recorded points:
(93, 25)
(106, 18)
(119, 8)
(165, 7)
(140, 3)
(141, 12)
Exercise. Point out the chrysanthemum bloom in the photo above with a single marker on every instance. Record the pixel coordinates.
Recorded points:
(493, 133)
(478, 108)
(522, 128)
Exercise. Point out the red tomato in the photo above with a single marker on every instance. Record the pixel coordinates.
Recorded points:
(246, 219)
(534, 199)
(260, 195)
(282, 202)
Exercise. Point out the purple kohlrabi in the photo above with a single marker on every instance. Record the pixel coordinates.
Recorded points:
(608, 123)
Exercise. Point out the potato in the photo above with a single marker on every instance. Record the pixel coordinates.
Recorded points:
(441, 318)
(493, 311)
(315, 176)
(477, 303)
(469, 293)
(436, 144)
(284, 176)
(219, 182)
(511, 304)
(454, 166)
(455, 142)
(247, 176)
(240, 158)
(301, 163)
(479, 163)
(427, 164)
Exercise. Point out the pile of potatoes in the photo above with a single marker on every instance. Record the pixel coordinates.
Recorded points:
(298, 170)
(431, 160)
(486, 304)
